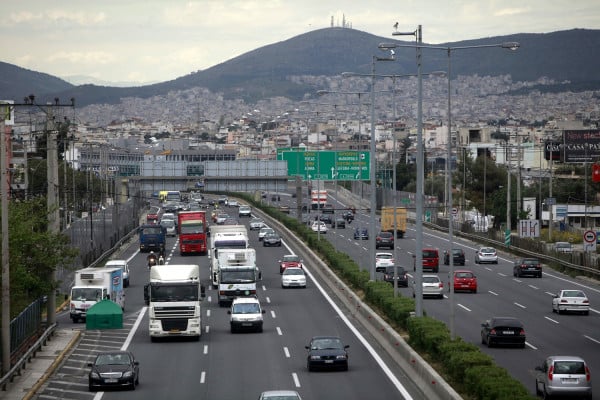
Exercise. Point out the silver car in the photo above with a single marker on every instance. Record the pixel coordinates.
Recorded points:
(486, 255)
(432, 286)
(563, 376)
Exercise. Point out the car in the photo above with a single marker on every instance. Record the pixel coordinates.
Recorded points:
(244, 211)
(272, 239)
(279, 395)
(223, 200)
(220, 218)
(563, 376)
(233, 203)
(464, 280)
(290, 261)
(170, 207)
(230, 221)
(458, 257)
(383, 260)
(571, 300)
(319, 226)
(563, 247)
(503, 330)
(124, 265)
(170, 227)
(486, 255)
(327, 352)
(326, 218)
(114, 369)
(168, 215)
(527, 266)
(384, 239)
(431, 259)
(328, 209)
(284, 209)
(293, 277)
(246, 314)
(256, 224)
(339, 223)
(388, 275)
(361, 234)
(432, 286)
(264, 231)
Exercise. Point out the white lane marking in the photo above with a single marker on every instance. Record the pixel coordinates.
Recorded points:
(592, 339)
(138, 321)
(205, 349)
(207, 329)
(208, 313)
(264, 288)
(501, 274)
(463, 307)
(551, 294)
(520, 305)
(279, 331)
(530, 345)
(209, 298)
(296, 380)
(268, 299)
(594, 310)
(552, 320)
(273, 314)
(286, 352)
(203, 377)
(494, 293)
(534, 287)
(516, 280)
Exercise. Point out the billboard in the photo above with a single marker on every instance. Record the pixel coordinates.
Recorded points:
(581, 146)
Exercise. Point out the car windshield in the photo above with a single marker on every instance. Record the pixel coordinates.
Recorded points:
(246, 308)
(112, 359)
(327, 343)
(385, 256)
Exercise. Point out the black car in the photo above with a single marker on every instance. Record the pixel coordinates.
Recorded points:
(527, 266)
(458, 256)
(384, 239)
(503, 330)
(271, 239)
(339, 223)
(361, 234)
(388, 275)
(326, 352)
(114, 369)
(348, 216)
(326, 218)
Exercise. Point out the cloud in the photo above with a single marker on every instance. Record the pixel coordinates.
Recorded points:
(506, 12)
(57, 16)
(84, 58)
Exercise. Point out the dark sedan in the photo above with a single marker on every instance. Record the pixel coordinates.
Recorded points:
(458, 257)
(272, 239)
(503, 330)
(361, 234)
(326, 218)
(339, 223)
(114, 369)
(388, 275)
(327, 352)
(527, 266)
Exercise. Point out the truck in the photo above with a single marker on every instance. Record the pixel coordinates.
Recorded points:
(92, 285)
(152, 238)
(318, 198)
(224, 237)
(237, 274)
(387, 220)
(192, 229)
(173, 296)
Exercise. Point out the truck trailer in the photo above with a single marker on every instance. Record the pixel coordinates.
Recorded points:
(192, 232)
(237, 274)
(387, 220)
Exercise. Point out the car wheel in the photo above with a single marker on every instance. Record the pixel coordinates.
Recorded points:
(558, 310)
(540, 275)
(91, 388)
(489, 343)
(132, 387)
(259, 329)
(545, 394)
(586, 312)
(496, 262)
(482, 339)
(474, 290)
(537, 388)
(308, 367)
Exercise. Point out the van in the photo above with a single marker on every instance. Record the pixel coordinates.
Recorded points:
(124, 266)
(431, 259)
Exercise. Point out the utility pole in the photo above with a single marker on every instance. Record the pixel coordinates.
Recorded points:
(5, 254)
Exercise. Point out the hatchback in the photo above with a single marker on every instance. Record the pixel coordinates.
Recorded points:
(431, 260)
(563, 376)
(527, 266)
(503, 330)
(458, 257)
(361, 234)
(464, 280)
(388, 275)
(432, 286)
(486, 255)
(384, 239)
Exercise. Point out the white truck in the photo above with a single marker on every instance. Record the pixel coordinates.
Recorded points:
(224, 237)
(93, 285)
(173, 297)
(237, 274)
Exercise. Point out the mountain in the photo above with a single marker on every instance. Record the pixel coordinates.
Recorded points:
(565, 56)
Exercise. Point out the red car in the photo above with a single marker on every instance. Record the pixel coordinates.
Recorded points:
(464, 280)
(289, 260)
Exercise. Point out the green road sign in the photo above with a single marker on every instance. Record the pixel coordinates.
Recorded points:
(328, 165)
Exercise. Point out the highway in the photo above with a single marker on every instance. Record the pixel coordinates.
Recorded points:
(238, 366)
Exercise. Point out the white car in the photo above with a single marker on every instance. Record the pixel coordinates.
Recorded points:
(244, 211)
(573, 300)
(124, 266)
(293, 277)
(486, 255)
(233, 203)
(246, 314)
(383, 260)
(257, 224)
(432, 286)
(319, 226)
(169, 226)
(264, 231)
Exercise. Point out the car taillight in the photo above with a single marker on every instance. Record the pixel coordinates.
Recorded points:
(441, 284)
(492, 331)
(522, 332)
(586, 301)
(550, 372)
(588, 375)
(564, 301)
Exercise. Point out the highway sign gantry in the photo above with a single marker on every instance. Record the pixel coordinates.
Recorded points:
(346, 165)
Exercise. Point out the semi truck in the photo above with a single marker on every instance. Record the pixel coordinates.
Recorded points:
(173, 296)
(387, 220)
(237, 274)
(318, 198)
(192, 232)
(224, 237)
(93, 285)
(152, 238)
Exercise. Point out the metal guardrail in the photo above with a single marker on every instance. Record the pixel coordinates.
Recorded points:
(20, 364)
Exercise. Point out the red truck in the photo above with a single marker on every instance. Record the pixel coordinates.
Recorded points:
(192, 229)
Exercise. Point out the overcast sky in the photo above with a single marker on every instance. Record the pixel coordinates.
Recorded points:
(159, 40)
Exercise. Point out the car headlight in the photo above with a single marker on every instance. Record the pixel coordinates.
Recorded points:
(94, 375)
(341, 357)
(127, 374)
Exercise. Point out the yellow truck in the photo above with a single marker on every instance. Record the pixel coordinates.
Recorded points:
(387, 220)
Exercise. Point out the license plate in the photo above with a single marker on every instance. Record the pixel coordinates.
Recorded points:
(569, 380)
(507, 332)
(174, 331)
(328, 361)
(111, 380)
(246, 324)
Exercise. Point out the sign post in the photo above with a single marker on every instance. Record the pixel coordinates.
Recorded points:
(589, 241)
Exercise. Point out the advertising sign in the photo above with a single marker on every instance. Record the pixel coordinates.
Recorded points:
(581, 146)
